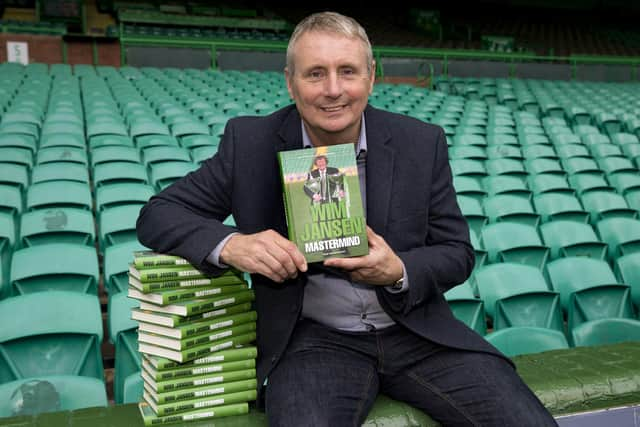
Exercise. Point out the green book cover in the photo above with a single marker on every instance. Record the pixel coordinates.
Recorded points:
(198, 351)
(177, 295)
(191, 307)
(172, 374)
(175, 321)
(197, 392)
(196, 340)
(202, 380)
(323, 202)
(164, 274)
(203, 402)
(151, 259)
(230, 355)
(151, 419)
(199, 328)
(229, 278)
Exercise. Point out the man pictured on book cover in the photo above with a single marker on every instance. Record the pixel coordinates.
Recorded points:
(331, 336)
(324, 184)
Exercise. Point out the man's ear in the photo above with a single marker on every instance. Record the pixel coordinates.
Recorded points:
(372, 76)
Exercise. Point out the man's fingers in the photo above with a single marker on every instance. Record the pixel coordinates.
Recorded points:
(348, 264)
(297, 259)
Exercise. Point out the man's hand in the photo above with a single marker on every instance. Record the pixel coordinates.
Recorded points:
(380, 267)
(266, 253)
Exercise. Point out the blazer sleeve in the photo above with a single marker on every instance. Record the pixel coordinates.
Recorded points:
(447, 258)
(185, 219)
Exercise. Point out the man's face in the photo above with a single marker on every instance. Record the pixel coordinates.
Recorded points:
(330, 85)
(321, 164)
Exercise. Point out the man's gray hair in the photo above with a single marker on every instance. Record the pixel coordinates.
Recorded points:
(329, 22)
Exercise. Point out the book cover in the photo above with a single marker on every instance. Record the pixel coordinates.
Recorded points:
(196, 340)
(147, 287)
(151, 419)
(203, 402)
(230, 355)
(177, 295)
(197, 392)
(151, 259)
(165, 273)
(175, 321)
(323, 202)
(199, 328)
(198, 351)
(202, 380)
(191, 307)
(172, 374)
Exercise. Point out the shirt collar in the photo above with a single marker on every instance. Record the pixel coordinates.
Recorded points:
(361, 147)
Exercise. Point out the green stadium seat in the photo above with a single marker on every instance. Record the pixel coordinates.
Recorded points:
(535, 151)
(27, 142)
(589, 290)
(520, 340)
(127, 382)
(505, 166)
(574, 165)
(110, 195)
(514, 242)
(498, 139)
(540, 165)
(615, 164)
(625, 181)
(467, 152)
(467, 307)
(587, 182)
(468, 167)
(472, 210)
(59, 194)
(189, 128)
(504, 152)
(116, 265)
(13, 174)
(594, 139)
(469, 186)
(572, 150)
(599, 151)
(627, 270)
(119, 172)
(62, 154)
(59, 225)
(200, 154)
(107, 140)
(114, 153)
(149, 141)
(20, 156)
(165, 173)
(159, 154)
(632, 151)
(621, 234)
(571, 239)
(461, 138)
(62, 140)
(11, 199)
(552, 206)
(623, 138)
(606, 204)
(66, 127)
(118, 224)
(54, 266)
(195, 141)
(106, 127)
(513, 208)
(60, 171)
(605, 331)
(140, 128)
(20, 128)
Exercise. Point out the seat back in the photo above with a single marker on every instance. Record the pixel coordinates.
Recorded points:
(58, 225)
(621, 234)
(118, 224)
(53, 194)
(525, 340)
(123, 333)
(570, 238)
(514, 242)
(605, 331)
(627, 270)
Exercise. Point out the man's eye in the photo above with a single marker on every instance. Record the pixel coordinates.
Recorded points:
(315, 75)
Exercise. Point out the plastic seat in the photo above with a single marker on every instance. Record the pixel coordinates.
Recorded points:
(514, 242)
(119, 172)
(159, 154)
(574, 165)
(606, 204)
(59, 194)
(60, 171)
(623, 138)
(20, 156)
(621, 234)
(27, 142)
(11, 200)
(507, 207)
(540, 165)
(107, 140)
(165, 173)
(605, 331)
(549, 182)
(200, 154)
(625, 181)
(600, 151)
(467, 152)
(118, 224)
(627, 270)
(633, 199)
(632, 151)
(613, 164)
(506, 184)
(469, 186)
(472, 210)
(194, 141)
(63, 140)
(505, 167)
(526, 340)
(60, 335)
(116, 265)
(501, 139)
(14, 175)
(559, 206)
(589, 290)
(585, 182)
(54, 266)
(504, 152)
(518, 295)
(114, 153)
(111, 195)
(572, 150)
(542, 151)
(570, 238)
(467, 307)
(62, 154)
(467, 167)
(149, 141)
(60, 225)
(123, 334)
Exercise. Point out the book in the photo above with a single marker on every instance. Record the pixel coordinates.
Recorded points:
(151, 419)
(196, 340)
(202, 380)
(192, 371)
(323, 202)
(151, 259)
(197, 351)
(229, 355)
(175, 321)
(196, 392)
(198, 328)
(146, 287)
(203, 402)
(191, 307)
(177, 295)
(165, 273)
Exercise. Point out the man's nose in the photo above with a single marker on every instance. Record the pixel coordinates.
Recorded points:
(333, 86)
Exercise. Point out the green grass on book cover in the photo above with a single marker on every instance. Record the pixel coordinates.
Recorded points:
(177, 295)
(175, 321)
(198, 351)
(229, 355)
(203, 402)
(163, 274)
(191, 307)
(198, 328)
(151, 259)
(228, 278)
(324, 211)
(151, 419)
(202, 380)
(195, 340)
(172, 374)
(198, 392)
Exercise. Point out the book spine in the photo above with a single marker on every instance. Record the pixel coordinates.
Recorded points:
(168, 298)
(249, 352)
(230, 387)
(199, 352)
(237, 319)
(160, 376)
(287, 203)
(206, 380)
(225, 399)
(156, 276)
(177, 284)
(158, 261)
(205, 305)
(218, 412)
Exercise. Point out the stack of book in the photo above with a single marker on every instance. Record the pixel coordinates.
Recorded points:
(196, 335)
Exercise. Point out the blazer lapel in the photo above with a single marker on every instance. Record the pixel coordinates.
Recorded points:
(380, 159)
(290, 132)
